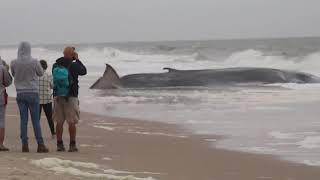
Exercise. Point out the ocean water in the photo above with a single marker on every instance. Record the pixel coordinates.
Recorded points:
(278, 119)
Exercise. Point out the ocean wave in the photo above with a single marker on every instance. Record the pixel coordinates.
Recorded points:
(310, 142)
(255, 58)
(136, 62)
(148, 61)
(166, 48)
(281, 135)
(86, 170)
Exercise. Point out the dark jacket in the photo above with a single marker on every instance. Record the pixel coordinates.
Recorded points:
(76, 69)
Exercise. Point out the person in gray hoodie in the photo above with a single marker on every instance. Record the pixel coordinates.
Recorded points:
(5, 81)
(26, 72)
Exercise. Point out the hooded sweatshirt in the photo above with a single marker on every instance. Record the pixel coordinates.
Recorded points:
(26, 70)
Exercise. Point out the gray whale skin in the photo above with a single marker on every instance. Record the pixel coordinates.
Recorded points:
(204, 78)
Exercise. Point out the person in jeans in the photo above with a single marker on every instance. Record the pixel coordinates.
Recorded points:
(66, 104)
(26, 71)
(5, 81)
(45, 86)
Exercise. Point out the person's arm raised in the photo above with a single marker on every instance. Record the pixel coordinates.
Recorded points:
(82, 70)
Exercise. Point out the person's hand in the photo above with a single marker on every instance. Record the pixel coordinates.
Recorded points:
(75, 56)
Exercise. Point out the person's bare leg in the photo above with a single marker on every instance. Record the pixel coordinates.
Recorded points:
(2, 135)
(72, 132)
(59, 131)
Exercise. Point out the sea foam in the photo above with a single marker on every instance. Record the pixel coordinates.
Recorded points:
(83, 169)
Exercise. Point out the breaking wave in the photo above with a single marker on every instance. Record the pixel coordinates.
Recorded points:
(144, 61)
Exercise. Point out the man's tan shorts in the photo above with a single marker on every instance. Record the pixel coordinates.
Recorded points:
(66, 109)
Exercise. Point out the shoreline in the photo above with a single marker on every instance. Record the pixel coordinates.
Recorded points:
(141, 148)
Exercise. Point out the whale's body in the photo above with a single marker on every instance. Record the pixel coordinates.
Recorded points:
(209, 77)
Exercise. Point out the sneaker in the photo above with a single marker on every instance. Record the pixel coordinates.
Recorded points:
(73, 148)
(25, 148)
(61, 148)
(42, 149)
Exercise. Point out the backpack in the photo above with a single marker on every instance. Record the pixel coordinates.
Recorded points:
(61, 81)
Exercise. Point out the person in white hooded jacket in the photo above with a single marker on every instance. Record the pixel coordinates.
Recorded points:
(26, 72)
(5, 81)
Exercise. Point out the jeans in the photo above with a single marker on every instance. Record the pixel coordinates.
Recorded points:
(47, 108)
(29, 102)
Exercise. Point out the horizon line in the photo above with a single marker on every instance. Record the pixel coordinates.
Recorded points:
(159, 41)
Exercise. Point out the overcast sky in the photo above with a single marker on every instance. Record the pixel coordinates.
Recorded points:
(71, 21)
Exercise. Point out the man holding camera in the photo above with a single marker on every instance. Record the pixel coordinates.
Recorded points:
(65, 74)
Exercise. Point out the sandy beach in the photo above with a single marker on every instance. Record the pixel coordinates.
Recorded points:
(115, 148)
(167, 89)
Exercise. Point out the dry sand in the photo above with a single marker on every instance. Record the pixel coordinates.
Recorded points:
(139, 146)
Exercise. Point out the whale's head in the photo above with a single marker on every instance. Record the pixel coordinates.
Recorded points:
(302, 78)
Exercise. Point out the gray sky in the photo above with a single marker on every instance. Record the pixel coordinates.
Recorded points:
(66, 21)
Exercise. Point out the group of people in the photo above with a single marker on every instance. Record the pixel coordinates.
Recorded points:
(57, 95)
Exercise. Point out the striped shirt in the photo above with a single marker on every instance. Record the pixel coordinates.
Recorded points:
(45, 87)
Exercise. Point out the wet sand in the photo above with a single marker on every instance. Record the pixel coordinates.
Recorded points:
(161, 151)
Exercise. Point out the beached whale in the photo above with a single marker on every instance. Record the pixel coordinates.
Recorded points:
(209, 77)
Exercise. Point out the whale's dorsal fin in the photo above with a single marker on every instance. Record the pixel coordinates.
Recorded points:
(170, 69)
(109, 80)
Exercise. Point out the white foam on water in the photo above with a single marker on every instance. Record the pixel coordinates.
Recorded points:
(280, 135)
(156, 134)
(54, 162)
(255, 58)
(107, 159)
(297, 86)
(310, 142)
(108, 128)
(78, 169)
(311, 162)
(262, 150)
(95, 145)
(282, 144)
(104, 123)
(211, 140)
(112, 171)
(147, 62)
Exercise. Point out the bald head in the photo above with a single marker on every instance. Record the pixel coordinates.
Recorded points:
(68, 52)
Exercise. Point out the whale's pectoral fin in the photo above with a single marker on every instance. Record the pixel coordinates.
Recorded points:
(109, 80)
(170, 69)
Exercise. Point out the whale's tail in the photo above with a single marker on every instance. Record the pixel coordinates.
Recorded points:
(109, 80)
